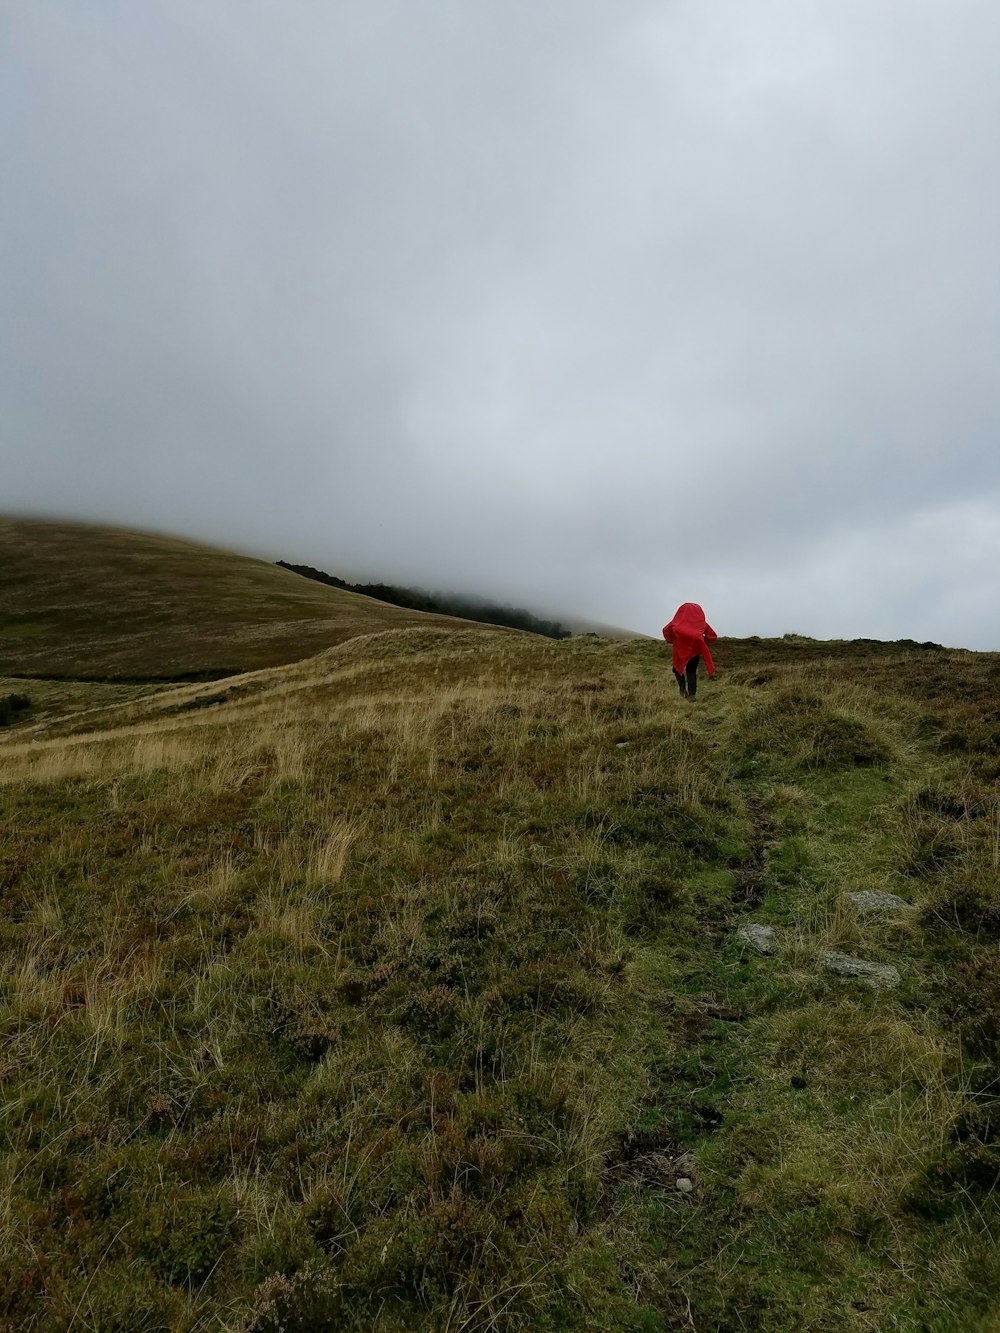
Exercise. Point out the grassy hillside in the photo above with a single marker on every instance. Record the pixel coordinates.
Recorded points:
(83, 601)
(400, 989)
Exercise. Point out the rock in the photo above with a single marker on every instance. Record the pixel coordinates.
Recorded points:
(760, 937)
(879, 975)
(874, 900)
(684, 1184)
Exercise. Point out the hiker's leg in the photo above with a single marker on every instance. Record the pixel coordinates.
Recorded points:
(680, 681)
(692, 677)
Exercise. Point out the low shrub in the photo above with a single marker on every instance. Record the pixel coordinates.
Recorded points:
(185, 1236)
(966, 902)
(968, 1166)
(839, 742)
(972, 1003)
(305, 1302)
(12, 708)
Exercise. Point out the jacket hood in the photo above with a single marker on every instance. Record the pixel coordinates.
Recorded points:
(689, 616)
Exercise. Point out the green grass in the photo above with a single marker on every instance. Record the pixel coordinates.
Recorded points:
(84, 602)
(398, 989)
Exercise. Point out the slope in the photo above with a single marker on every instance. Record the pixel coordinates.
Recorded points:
(399, 988)
(86, 602)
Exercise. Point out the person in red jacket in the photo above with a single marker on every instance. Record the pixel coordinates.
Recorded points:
(690, 634)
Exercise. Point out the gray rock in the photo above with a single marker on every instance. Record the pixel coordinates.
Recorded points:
(879, 975)
(874, 900)
(760, 937)
(684, 1185)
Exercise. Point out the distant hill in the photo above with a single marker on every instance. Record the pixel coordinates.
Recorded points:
(479, 609)
(88, 602)
(580, 625)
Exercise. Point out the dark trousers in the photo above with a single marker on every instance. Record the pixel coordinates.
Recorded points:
(687, 682)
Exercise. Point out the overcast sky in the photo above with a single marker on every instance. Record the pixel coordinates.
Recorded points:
(596, 306)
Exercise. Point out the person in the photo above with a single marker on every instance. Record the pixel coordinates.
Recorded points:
(690, 634)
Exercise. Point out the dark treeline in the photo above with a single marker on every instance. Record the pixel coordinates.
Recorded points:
(440, 603)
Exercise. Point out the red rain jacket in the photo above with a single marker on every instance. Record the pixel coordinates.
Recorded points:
(690, 633)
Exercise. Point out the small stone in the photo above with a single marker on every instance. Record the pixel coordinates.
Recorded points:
(684, 1184)
(879, 975)
(874, 900)
(759, 937)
